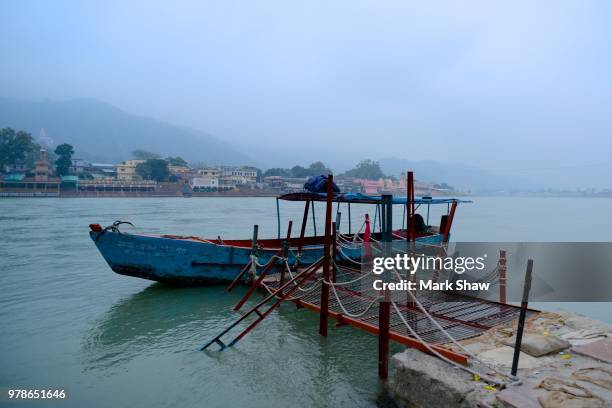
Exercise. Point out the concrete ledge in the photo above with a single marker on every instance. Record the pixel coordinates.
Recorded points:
(418, 379)
(425, 381)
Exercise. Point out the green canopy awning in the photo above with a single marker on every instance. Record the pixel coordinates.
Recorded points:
(14, 177)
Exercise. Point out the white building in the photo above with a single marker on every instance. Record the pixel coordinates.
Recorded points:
(204, 182)
(239, 175)
(78, 166)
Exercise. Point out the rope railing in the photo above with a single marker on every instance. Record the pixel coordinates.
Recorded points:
(345, 283)
(348, 258)
(308, 290)
(433, 351)
(449, 336)
(348, 244)
(356, 237)
(345, 311)
(490, 276)
(344, 243)
(280, 258)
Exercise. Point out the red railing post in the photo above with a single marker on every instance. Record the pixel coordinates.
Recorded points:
(410, 204)
(286, 245)
(303, 229)
(410, 233)
(384, 319)
(334, 253)
(449, 221)
(326, 255)
(384, 307)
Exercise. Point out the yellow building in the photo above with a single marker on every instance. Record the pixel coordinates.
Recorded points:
(126, 170)
(211, 172)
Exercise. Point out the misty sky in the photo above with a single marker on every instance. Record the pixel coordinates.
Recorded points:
(501, 85)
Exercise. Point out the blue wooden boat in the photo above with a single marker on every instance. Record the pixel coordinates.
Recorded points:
(189, 260)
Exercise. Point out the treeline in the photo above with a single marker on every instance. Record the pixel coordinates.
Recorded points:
(365, 169)
(156, 168)
(314, 169)
(146, 155)
(19, 147)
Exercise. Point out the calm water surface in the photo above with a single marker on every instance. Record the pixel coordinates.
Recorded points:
(68, 321)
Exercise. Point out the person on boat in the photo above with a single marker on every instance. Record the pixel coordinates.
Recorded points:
(419, 224)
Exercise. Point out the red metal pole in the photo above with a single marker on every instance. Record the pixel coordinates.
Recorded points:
(297, 280)
(286, 246)
(449, 221)
(410, 199)
(410, 236)
(502, 276)
(303, 229)
(413, 208)
(384, 307)
(408, 208)
(239, 276)
(384, 319)
(334, 249)
(367, 249)
(326, 255)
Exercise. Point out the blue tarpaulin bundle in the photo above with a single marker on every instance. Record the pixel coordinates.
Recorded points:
(318, 184)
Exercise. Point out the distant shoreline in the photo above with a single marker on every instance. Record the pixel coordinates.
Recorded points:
(134, 195)
(5, 194)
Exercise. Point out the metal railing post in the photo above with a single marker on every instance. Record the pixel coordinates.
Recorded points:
(521, 321)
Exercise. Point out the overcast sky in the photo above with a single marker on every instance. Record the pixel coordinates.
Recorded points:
(501, 85)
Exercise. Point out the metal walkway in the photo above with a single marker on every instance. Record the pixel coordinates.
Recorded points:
(356, 304)
(425, 320)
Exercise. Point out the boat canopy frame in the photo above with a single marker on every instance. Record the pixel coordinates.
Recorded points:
(359, 198)
(365, 199)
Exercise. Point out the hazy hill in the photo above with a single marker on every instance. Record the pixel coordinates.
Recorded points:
(104, 133)
(458, 175)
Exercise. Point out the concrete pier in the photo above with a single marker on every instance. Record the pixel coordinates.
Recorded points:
(566, 360)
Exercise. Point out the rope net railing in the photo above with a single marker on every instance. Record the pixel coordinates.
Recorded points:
(432, 318)
(352, 294)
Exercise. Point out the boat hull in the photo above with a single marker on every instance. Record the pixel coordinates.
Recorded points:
(188, 261)
(180, 261)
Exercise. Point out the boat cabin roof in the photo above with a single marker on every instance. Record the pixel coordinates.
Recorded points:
(365, 199)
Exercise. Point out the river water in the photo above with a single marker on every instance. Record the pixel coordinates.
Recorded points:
(69, 322)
